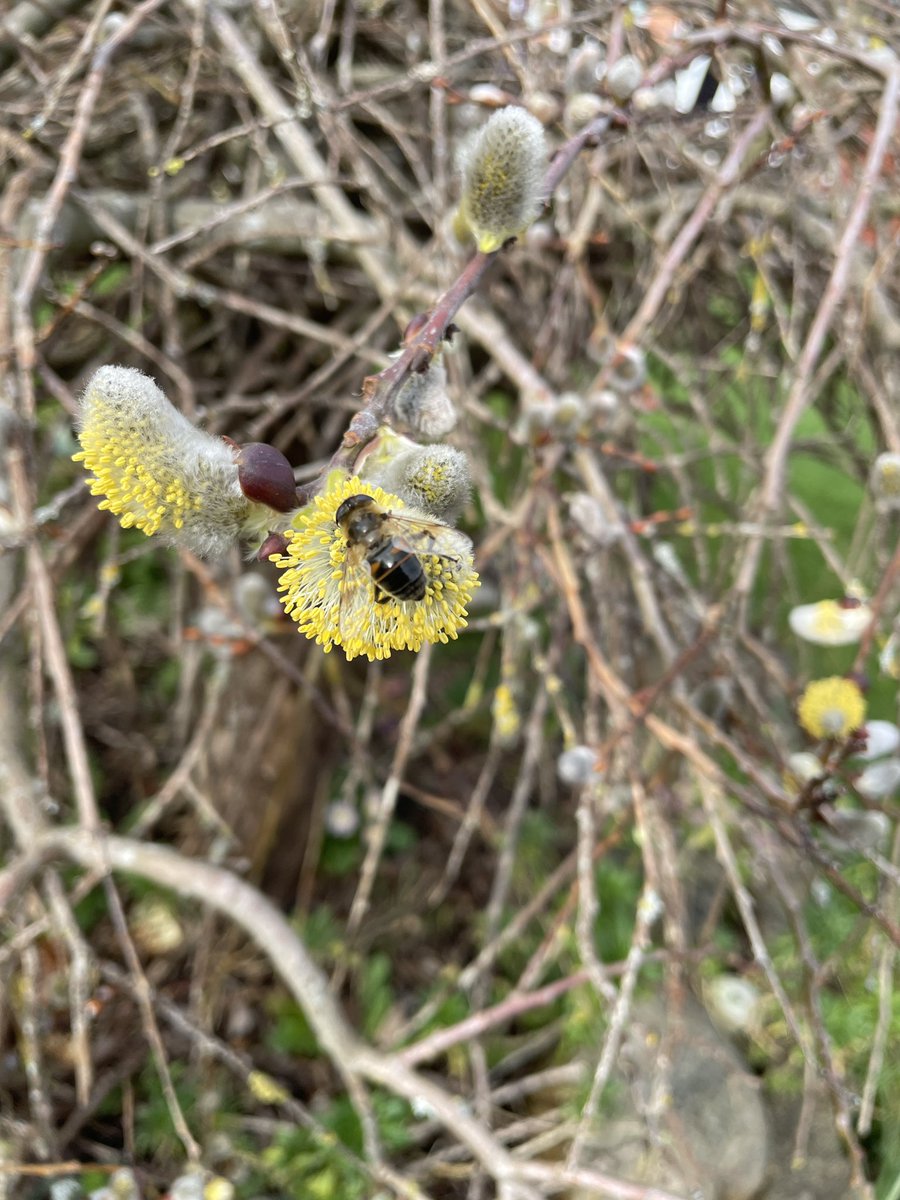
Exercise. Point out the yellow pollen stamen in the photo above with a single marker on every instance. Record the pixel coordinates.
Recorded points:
(333, 601)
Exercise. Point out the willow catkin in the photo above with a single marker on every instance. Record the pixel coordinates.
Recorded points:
(503, 170)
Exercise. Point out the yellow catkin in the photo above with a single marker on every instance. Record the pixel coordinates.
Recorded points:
(831, 708)
(154, 470)
(331, 595)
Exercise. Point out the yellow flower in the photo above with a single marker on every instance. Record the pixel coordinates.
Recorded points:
(831, 708)
(155, 470)
(329, 586)
(266, 1089)
(218, 1188)
(505, 711)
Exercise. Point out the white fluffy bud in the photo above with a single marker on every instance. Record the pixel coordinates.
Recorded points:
(830, 623)
(341, 819)
(886, 480)
(581, 109)
(576, 766)
(591, 521)
(434, 478)
(865, 830)
(503, 169)
(624, 77)
(734, 1003)
(424, 404)
(628, 370)
(880, 780)
(882, 738)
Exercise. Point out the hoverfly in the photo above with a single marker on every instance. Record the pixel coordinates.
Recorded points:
(390, 546)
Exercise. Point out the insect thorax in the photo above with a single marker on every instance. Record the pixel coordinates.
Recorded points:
(362, 520)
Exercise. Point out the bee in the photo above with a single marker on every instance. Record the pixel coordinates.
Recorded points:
(391, 546)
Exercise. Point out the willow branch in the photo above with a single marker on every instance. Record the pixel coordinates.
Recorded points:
(380, 390)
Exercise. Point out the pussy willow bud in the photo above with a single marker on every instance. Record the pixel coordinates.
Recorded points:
(830, 622)
(857, 830)
(423, 403)
(155, 926)
(571, 413)
(603, 402)
(584, 66)
(577, 765)
(434, 478)
(488, 95)
(803, 767)
(624, 77)
(628, 370)
(880, 780)
(536, 419)
(886, 480)
(156, 471)
(62, 1189)
(341, 819)
(580, 109)
(889, 657)
(591, 522)
(266, 476)
(881, 738)
(734, 1003)
(503, 168)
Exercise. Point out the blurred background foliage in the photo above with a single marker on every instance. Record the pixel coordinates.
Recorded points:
(261, 202)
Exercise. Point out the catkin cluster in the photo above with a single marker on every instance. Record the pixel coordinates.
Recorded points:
(158, 473)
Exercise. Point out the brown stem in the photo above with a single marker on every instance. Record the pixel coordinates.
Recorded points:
(379, 390)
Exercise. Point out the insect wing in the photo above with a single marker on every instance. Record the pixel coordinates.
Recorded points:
(429, 537)
(357, 597)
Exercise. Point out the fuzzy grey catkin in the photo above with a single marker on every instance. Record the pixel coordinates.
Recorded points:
(434, 478)
(503, 170)
(424, 404)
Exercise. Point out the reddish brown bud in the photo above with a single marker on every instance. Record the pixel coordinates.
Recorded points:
(414, 328)
(266, 477)
(274, 544)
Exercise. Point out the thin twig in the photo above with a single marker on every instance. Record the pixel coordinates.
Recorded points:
(800, 396)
